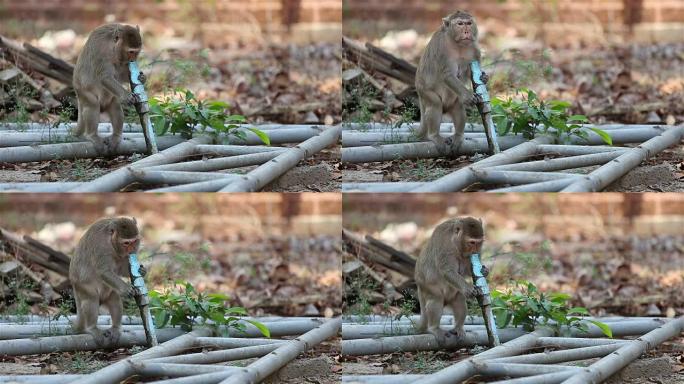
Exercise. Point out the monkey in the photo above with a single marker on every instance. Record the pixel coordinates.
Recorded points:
(100, 258)
(442, 70)
(440, 271)
(100, 70)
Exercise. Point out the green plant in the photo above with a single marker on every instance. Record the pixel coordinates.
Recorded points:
(358, 295)
(530, 116)
(184, 306)
(182, 112)
(527, 307)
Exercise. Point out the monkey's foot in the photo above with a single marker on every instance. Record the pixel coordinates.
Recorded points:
(441, 144)
(458, 333)
(113, 335)
(441, 336)
(99, 337)
(111, 143)
(98, 144)
(453, 145)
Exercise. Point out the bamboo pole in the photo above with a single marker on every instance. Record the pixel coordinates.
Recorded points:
(266, 173)
(519, 177)
(39, 379)
(177, 177)
(221, 356)
(607, 366)
(560, 163)
(381, 379)
(380, 187)
(34, 345)
(267, 365)
(125, 368)
(602, 177)
(220, 163)
(234, 150)
(118, 179)
(77, 150)
(562, 356)
(465, 176)
(51, 187)
(466, 368)
(544, 186)
(150, 369)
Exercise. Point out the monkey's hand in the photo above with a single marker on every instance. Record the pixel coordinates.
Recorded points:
(477, 99)
(485, 271)
(142, 270)
(132, 99)
(472, 291)
(143, 79)
(484, 77)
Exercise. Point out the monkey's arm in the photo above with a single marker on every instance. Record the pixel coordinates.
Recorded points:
(457, 85)
(113, 86)
(451, 275)
(113, 281)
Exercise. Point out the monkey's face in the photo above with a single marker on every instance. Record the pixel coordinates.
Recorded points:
(463, 30)
(126, 246)
(473, 245)
(128, 43)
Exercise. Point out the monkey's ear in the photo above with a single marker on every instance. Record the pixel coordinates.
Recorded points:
(445, 22)
(117, 33)
(137, 28)
(134, 220)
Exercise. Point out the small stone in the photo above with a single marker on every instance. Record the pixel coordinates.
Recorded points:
(653, 118)
(653, 310)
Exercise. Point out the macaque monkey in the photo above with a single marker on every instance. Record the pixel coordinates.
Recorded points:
(443, 71)
(101, 257)
(101, 69)
(441, 272)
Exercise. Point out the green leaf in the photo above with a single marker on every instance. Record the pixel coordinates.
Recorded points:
(578, 310)
(604, 135)
(263, 136)
(579, 118)
(262, 328)
(603, 326)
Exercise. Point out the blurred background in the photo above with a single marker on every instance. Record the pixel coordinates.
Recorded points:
(271, 253)
(272, 60)
(613, 253)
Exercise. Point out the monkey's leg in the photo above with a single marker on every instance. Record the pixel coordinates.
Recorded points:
(116, 116)
(460, 308)
(457, 113)
(433, 310)
(422, 321)
(80, 126)
(88, 119)
(430, 119)
(89, 309)
(79, 325)
(115, 307)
